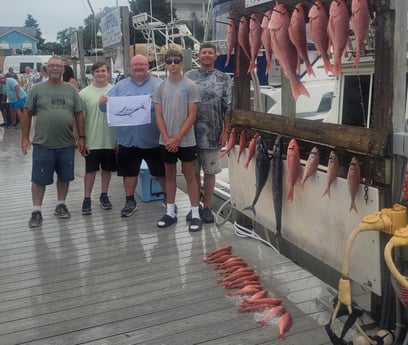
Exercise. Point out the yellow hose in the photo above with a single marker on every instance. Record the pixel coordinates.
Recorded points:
(399, 239)
(388, 221)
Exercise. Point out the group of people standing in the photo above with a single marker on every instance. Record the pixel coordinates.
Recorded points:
(187, 123)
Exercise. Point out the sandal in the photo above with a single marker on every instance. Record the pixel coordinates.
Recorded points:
(195, 225)
(166, 221)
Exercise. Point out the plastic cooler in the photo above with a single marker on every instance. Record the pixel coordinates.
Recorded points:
(148, 188)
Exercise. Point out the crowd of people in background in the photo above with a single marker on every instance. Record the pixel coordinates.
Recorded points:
(188, 122)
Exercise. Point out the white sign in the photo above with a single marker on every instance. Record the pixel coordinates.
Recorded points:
(250, 3)
(129, 110)
(110, 27)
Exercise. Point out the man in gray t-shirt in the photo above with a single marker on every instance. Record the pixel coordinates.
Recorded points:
(176, 100)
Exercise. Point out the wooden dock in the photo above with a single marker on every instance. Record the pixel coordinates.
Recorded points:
(103, 279)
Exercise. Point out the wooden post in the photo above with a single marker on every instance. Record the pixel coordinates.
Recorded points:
(124, 14)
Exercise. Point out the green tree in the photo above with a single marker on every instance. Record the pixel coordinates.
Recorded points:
(51, 48)
(161, 10)
(31, 22)
(64, 40)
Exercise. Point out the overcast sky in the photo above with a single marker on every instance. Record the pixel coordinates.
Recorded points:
(52, 15)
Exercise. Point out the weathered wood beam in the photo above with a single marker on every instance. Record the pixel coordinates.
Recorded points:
(356, 139)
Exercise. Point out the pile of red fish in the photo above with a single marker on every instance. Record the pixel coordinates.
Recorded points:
(284, 34)
(236, 275)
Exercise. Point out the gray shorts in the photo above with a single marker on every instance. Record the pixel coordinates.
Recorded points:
(209, 161)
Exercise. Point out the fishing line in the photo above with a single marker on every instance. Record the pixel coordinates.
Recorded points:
(244, 232)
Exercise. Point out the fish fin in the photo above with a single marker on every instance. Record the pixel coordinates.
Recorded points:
(281, 336)
(309, 69)
(290, 195)
(299, 89)
(223, 154)
(353, 206)
(327, 191)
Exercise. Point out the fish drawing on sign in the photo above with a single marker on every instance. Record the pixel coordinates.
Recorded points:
(129, 111)
(262, 166)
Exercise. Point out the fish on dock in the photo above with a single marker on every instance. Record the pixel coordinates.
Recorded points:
(284, 324)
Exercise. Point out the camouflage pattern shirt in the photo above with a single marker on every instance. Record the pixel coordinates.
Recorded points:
(215, 91)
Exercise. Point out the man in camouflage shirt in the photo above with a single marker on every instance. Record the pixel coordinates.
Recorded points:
(210, 127)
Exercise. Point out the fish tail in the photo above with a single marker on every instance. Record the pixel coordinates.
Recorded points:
(223, 154)
(246, 165)
(299, 89)
(268, 68)
(281, 336)
(327, 65)
(353, 206)
(326, 191)
(309, 69)
(290, 194)
(336, 69)
(227, 61)
(252, 208)
(252, 65)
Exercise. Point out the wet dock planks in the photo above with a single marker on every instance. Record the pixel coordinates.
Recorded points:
(103, 279)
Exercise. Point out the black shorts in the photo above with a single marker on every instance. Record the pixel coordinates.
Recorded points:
(104, 158)
(185, 154)
(130, 159)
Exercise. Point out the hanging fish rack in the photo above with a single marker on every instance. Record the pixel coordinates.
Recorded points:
(373, 147)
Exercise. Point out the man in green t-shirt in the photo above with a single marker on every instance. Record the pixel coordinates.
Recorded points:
(56, 105)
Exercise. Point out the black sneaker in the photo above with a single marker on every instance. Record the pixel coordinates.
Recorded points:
(195, 225)
(129, 209)
(105, 202)
(61, 211)
(35, 220)
(86, 207)
(207, 215)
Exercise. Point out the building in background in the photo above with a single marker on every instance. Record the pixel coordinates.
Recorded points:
(18, 40)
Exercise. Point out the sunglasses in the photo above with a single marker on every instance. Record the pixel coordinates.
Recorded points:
(175, 60)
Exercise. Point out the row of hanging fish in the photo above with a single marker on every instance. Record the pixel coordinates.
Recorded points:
(284, 35)
(258, 152)
(251, 295)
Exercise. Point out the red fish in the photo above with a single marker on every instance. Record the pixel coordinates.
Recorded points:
(318, 22)
(254, 297)
(285, 322)
(242, 281)
(251, 149)
(360, 22)
(311, 164)
(231, 142)
(233, 268)
(293, 164)
(266, 40)
(255, 33)
(215, 256)
(247, 290)
(231, 40)
(338, 31)
(271, 312)
(229, 263)
(220, 249)
(243, 37)
(244, 272)
(297, 34)
(242, 142)
(255, 307)
(332, 169)
(353, 180)
(220, 259)
(271, 301)
(284, 49)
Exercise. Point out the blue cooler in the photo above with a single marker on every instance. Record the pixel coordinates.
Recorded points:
(148, 188)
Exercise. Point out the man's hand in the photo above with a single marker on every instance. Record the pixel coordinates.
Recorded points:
(25, 145)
